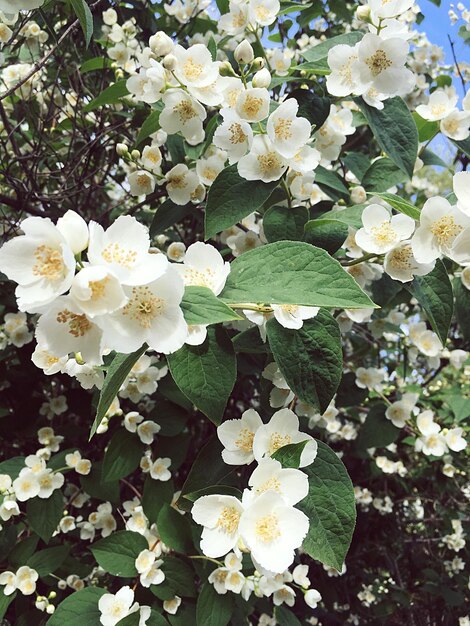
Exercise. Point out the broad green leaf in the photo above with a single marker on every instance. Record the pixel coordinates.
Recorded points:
(377, 431)
(212, 47)
(179, 580)
(289, 456)
(23, 550)
(213, 609)
(117, 373)
(285, 617)
(134, 619)
(110, 95)
(292, 272)
(82, 11)
(400, 204)
(430, 158)
(358, 163)
(174, 529)
(167, 214)
(314, 108)
(156, 493)
(327, 234)
(78, 609)
(331, 183)
(231, 198)
(223, 6)
(317, 53)
(395, 131)
(352, 216)
(291, 7)
(206, 374)
(280, 222)
(94, 485)
(463, 146)
(434, 293)
(8, 537)
(47, 561)
(44, 515)
(330, 507)
(459, 406)
(250, 342)
(150, 126)
(170, 417)
(97, 63)
(226, 490)
(381, 175)
(310, 359)
(201, 306)
(117, 553)
(462, 307)
(426, 129)
(12, 466)
(122, 455)
(5, 602)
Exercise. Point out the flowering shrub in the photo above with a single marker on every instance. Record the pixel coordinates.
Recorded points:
(235, 314)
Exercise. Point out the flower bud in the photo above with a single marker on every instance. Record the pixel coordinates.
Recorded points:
(225, 69)
(135, 154)
(244, 52)
(122, 149)
(176, 251)
(363, 13)
(198, 194)
(358, 195)
(258, 64)
(169, 62)
(161, 44)
(262, 78)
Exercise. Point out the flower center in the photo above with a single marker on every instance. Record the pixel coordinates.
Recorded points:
(192, 70)
(384, 234)
(98, 287)
(79, 325)
(228, 520)
(143, 307)
(267, 528)
(49, 263)
(236, 133)
(445, 229)
(245, 440)
(378, 62)
(185, 111)
(282, 129)
(401, 258)
(272, 483)
(277, 441)
(268, 162)
(115, 253)
(252, 105)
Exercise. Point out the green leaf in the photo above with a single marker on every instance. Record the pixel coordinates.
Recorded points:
(426, 129)
(167, 214)
(206, 374)
(400, 204)
(82, 11)
(122, 455)
(117, 553)
(201, 306)
(5, 602)
(358, 163)
(331, 183)
(434, 294)
(226, 490)
(117, 373)
(289, 456)
(382, 174)
(285, 617)
(292, 272)
(377, 431)
(174, 529)
(179, 580)
(213, 609)
(12, 466)
(327, 234)
(94, 485)
(280, 222)
(231, 198)
(459, 406)
(110, 95)
(44, 515)
(23, 550)
(395, 131)
(78, 609)
(310, 359)
(352, 216)
(330, 507)
(314, 108)
(317, 53)
(462, 307)
(155, 619)
(47, 561)
(150, 126)
(430, 158)
(463, 146)
(212, 47)
(97, 63)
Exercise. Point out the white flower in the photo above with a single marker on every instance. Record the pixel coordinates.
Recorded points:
(293, 315)
(312, 596)
(181, 183)
(8, 579)
(369, 378)
(300, 576)
(114, 607)
(147, 85)
(439, 105)
(147, 430)
(172, 605)
(340, 60)
(13, 6)
(281, 430)
(389, 8)
(235, 21)
(456, 125)
(455, 440)
(75, 231)
(26, 578)
(148, 567)
(381, 231)
(440, 224)
(291, 484)
(461, 184)
(263, 12)
(124, 249)
(400, 264)
(195, 67)
(26, 486)
(40, 261)
(399, 412)
(64, 328)
(183, 113)
(263, 162)
(288, 133)
(208, 169)
(204, 266)
(159, 469)
(431, 440)
(151, 158)
(253, 104)
(272, 530)
(237, 438)
(220, 517)
(428, 343)
(233, 135)
(141, 183)
(97, 291)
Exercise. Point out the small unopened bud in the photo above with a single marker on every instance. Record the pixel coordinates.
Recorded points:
(170, 62)
(262, 78)
(225, 69)
(198, 194)
(363, 13)
(52, 595)
(244, 52)
(358, 195)
(119, 74)
(258, 64)
(122, 149)
(50, 608)
(161, 44)
(176, 251)
(135, 154)
(418, 165)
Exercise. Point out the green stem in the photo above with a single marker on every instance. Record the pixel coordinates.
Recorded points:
(366, 257)
(251, 307)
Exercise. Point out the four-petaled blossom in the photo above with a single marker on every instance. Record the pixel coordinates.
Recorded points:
(382, 231)
(237, 438)
(203, 266)
(220, 517)
(288, 133)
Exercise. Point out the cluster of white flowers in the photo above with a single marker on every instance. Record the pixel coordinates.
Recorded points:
(265, 521)
(15, 330)
(441, 107)
(115, 607)
(456, 540)
(23, 580)
(34, 480)
(434, 441)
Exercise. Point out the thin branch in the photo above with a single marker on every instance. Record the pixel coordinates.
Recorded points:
(462, 80)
